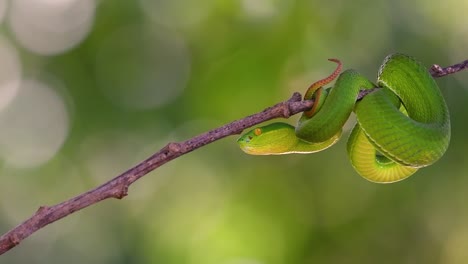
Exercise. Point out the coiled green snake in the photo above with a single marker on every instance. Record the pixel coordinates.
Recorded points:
(400, 128)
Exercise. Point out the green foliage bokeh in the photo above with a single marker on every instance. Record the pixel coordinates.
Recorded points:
(217, 205)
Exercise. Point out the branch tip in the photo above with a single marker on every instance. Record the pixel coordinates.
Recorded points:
(438, 71)
(435, 69)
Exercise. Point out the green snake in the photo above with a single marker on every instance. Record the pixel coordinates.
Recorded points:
(401, 127)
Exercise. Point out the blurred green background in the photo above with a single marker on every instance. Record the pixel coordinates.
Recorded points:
(89, 88)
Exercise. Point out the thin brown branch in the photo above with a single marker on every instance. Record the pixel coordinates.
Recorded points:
(118, 186)
(438, 71)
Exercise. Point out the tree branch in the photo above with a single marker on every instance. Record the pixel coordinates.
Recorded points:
(437, 71)
(118, 186)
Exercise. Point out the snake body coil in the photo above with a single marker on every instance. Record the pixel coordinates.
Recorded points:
(400, 128)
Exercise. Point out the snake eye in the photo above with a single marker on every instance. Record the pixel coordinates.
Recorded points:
(257, 131)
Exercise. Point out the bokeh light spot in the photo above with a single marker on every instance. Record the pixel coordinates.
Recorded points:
(141, 68)
(184, 13)
(111, 152)
(49, 27)
(265, 9)
(34, 126)
(10, 75)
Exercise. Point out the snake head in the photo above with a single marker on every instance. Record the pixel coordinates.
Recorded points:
(272, 139)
